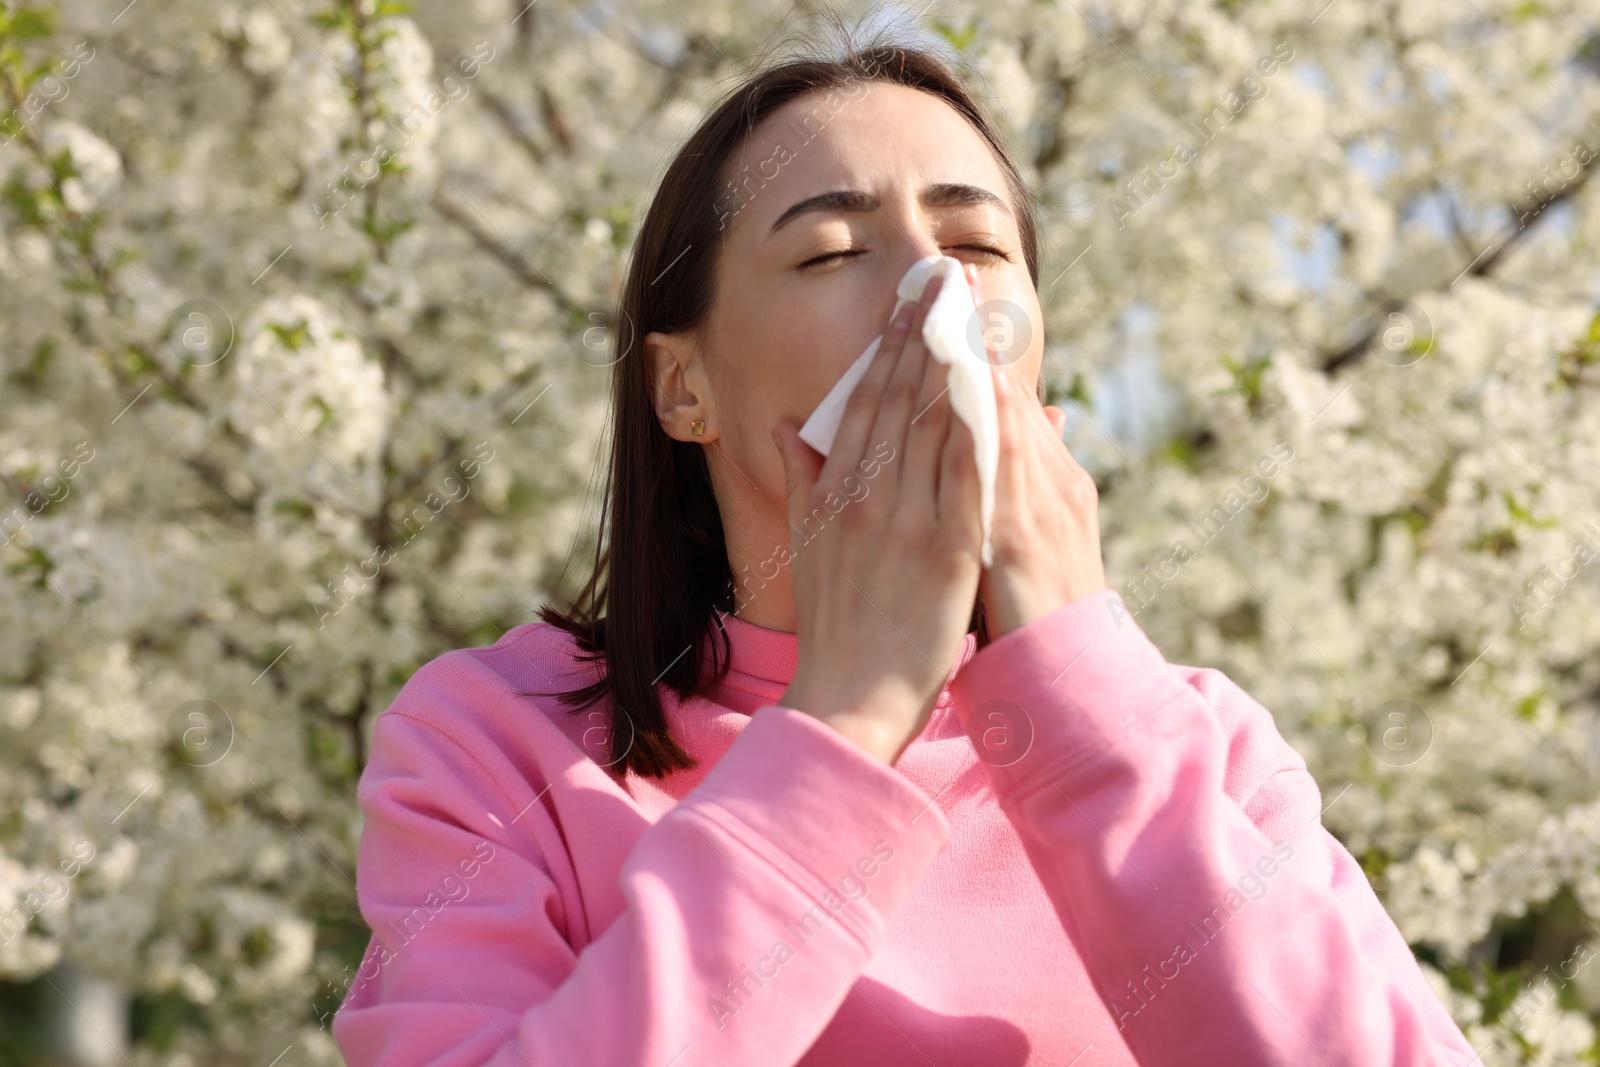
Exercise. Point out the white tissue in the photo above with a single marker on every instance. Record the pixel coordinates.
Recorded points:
(945, 332)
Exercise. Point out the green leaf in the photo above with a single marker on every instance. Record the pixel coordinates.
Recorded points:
(34, 557)
(1247, 375)
(386, 232)
(1496, 542)
(959, 39)
(1500, 990)
(256, 947)
(32, 376)
(1415, 519)
(1374, 862)
(31, 24)
(136, 361)
(38, 72)
(1524, 515)
(1528, 706)
(1181, 451)
(159, 1020)
(335, 20)
(24, 201)
(62, 167)
(1078, 391)
(325, 417)
(291, 336)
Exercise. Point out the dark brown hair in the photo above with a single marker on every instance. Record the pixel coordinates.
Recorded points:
(661, 576)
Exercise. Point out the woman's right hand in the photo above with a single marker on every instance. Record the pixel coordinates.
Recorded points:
(884, 588)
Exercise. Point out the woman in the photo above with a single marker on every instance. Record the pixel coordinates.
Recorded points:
(800, 783)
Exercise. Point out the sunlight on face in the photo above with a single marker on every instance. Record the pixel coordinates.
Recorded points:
(819, 233)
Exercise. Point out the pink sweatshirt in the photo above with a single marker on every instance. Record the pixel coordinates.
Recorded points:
(1135, 873)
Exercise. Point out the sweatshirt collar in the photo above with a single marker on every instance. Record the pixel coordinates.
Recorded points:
(771, 656)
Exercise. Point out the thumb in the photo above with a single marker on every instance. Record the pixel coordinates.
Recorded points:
(801, 465)
(1058, 418)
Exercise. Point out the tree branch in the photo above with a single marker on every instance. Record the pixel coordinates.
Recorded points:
(513, 260)
(1528, 214)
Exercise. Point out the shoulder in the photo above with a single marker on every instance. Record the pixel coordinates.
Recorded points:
(534, 658)
(499, 697)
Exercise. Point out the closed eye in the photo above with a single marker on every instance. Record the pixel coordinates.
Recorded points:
(828, 256)
(987, 249)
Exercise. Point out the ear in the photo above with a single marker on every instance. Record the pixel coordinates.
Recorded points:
(678, 386)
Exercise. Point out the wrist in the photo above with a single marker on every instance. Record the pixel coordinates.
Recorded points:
(871, 735)
(865, 719)
(1010, 605)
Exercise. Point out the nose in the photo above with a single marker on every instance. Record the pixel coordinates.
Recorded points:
(918, 242)
(915, 243)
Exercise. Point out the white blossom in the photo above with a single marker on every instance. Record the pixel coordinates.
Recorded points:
(194, 657)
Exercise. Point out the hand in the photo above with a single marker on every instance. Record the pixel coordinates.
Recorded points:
(1046, 532)
(884, 586)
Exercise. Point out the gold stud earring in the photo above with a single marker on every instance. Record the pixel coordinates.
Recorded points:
(697, 427)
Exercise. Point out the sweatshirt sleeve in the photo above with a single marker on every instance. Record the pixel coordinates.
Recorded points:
(751, 907)
(1180, 840)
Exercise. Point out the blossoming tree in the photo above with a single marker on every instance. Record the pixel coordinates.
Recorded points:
(303, 377)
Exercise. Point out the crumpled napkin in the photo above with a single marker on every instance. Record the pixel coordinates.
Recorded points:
(952, 336)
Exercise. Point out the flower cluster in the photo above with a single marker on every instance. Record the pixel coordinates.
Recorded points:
(1382, 259)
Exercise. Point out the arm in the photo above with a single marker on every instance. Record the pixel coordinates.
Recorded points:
(724, 946)
(1187, 861)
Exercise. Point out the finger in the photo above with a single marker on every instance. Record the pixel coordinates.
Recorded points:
(1058, 419)
(925, 437)
(1010, 409)
(861, 409)
(897, 404)
(971, 272)
(801, 466)
(1020, 406)
(957, 496)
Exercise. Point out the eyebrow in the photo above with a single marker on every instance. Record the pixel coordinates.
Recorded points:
(942, 194)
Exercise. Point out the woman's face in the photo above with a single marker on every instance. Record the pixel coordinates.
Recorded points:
(818, 235)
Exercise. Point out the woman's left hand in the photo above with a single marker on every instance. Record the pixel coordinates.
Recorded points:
(1046, 532)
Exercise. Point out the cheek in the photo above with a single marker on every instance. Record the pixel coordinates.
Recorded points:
(1029, 359)
(1032, 366)
(780, 365)
(1012, 324)
(778, 370)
